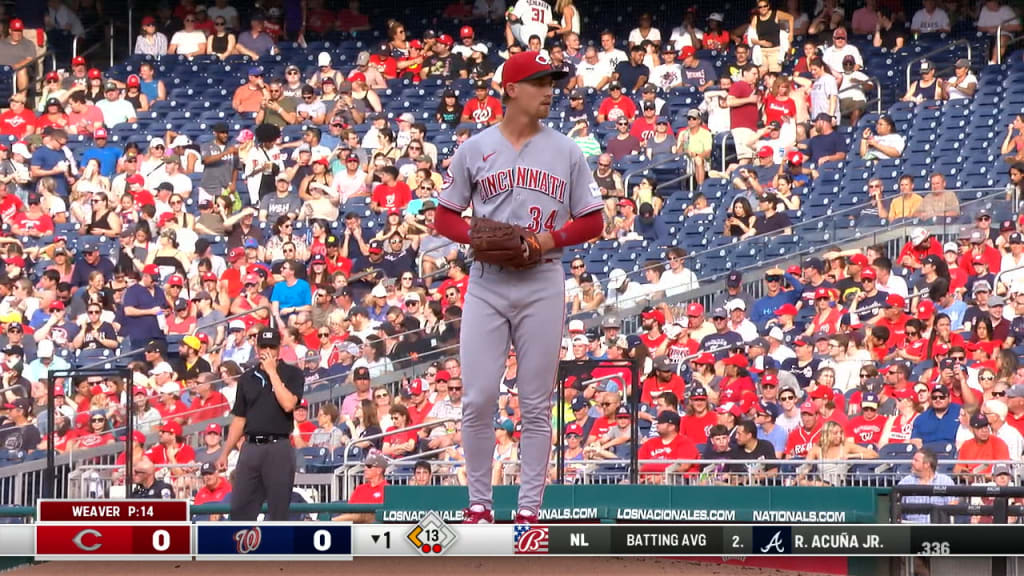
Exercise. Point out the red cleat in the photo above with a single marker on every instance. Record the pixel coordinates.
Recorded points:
(522, 518)
(470, 516)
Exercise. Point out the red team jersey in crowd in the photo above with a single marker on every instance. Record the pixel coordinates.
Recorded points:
(613, 110)
(696, 428)
(652, 343)
(800, 441)
(901, 428)
(213, 407)
(864, 431)
(776, 110)
(158, 455)
(16, 124)
(486, 112)
(389, 197)
(679, 448)
(653, 387)
(366, 494)
(205, 495)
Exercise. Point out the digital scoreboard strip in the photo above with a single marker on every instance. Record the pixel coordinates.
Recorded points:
(161, 530)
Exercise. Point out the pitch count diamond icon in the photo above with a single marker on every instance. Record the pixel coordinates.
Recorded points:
(432, 536)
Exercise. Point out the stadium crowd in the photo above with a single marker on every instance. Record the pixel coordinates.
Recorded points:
(149, 249)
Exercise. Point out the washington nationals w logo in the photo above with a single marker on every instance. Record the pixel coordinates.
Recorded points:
(248, 540)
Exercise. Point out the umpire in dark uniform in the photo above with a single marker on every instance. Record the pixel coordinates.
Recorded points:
(266, 397)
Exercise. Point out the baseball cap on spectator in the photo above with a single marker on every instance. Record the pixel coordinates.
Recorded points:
(616, 278)
(823, 293)
(191, 341)
(823, 117)
(236, 254)
(768, 409)
(786, 309)
(669, 417)
(323, 59)
(213, 428)
(255, 71)
(376, 247)
(375, 460)
(268, 339)
(573, 429)
(663, 363)
(904, 394)
(868, 273)
(661, 120)
(734, 279)
(466, 32)
(379, 291)
(78, 61)
(739, 360)
(236, 326)
(996, 300)
(925, 66)
(151, 270)
(731, 408)
(172, 427)
(950, 247)
(673, 330)
(808, 407)
(918, 235)
(926, 309)
(719, 312)
(687, 52)
(940, 389)
(735, 304)
(795, 157)
(979, 421)
(1001, 469)
(962, 63)
(765, 152)
(579, 403)
(815, 264)
(175, 280)
(576, 327)
(180, 305)
(694, 309)
(821, 392)
(869, 400)
(981, 286)
(895, 301)
(16, 25)
(656, 315)
(1016, 238)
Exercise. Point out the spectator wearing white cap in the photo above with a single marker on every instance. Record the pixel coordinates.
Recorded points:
(622, 291)
(996, 412)
(237, 347)
(38, 369)
(738, 321)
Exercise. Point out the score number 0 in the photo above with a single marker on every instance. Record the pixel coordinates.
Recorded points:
(161, 540)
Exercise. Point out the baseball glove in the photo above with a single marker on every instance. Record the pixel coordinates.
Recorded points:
(503, 244)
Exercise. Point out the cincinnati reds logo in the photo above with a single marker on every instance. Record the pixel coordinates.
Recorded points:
(543, 60)
(531, 541)
(248, 540)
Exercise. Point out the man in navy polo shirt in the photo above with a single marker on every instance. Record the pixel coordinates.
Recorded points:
(143, 303)
(828, 145)
(938, 423)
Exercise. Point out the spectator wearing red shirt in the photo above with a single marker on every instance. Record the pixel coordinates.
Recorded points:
(615, 105)
(32, 222)
(979, 247)
(743, 115)
(10, 205)
(369, 492)
(168, 405)
(17, 121)
(984, 445)
(208, 403)
(483, 108)
(215, 487)
(664, 380)
(826, 317)
(171, 449)
(697, 422)
(922, 244)
(349, 19)
(391, 193)
(382, 60)
(652, 321)
(643, 127)
(806, 435)
(418, 403)
(303, 427)
(779, 106)
(668, 445)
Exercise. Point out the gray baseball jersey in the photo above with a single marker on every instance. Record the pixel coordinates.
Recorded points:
(540, 186)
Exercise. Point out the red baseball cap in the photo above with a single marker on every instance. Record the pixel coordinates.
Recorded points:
(151, 269)
(356, 76)
(53, 75)
(895, 300)
(656, 315)
(209, 276)
(16, 25)
(705, 358)
(925, 310)
(133, 80)
(175, 280)
(416, 387)
(822, 293)
(147, 20)
(446, 39)
(770, 379)
(904, 394)
(694, 309)
(736, 360)
(795, 157)
(172, 427)
(823, 392)
(78, 61)
(573, 428)
(787, 309)
(164, 218)
(687, 52)
(808, 407)
(765, 152)
(213, 428)
(236, 254)
(527, 66)
(868, 272)
(251, 278)
(99, 134)
(859, 260)
(466, 32)
(442, 375)
(135, 179)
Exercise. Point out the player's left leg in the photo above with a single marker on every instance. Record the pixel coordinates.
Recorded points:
(279, 479)
(537, 335)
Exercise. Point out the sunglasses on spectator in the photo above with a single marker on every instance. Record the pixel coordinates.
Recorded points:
(998, 394)
(384, 395)
(190, 20)
(578, 266)
(98, 419)
(939, 396)
(773, 278)
(94, 312)
(785, 398)
(986, 378)
(455, 387)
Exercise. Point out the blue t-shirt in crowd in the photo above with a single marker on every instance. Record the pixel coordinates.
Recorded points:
(147, 327)
(297, 294)
(825, 145)
(47, 159)
(107, 157)
(930, 428)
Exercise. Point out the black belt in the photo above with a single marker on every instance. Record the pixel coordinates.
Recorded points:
(264, 438)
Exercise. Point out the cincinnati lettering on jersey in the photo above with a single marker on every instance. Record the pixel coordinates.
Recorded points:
(524, 177)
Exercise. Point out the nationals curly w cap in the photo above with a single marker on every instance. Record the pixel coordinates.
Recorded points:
(527, 66)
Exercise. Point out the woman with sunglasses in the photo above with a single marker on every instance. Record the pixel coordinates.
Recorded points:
(150, 41)
(316, 190)
(96, 432)
(222, 42)
(167, 254)
(51, 89)
(105, 221)
(282, 235)
(382, 402)
(899, 428)
(250, 299)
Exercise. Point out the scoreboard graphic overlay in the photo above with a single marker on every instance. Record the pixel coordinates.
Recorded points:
(161, 530)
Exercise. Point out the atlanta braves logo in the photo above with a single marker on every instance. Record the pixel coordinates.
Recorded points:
(248, 540)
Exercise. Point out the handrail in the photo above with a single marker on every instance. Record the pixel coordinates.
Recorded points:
(131, 22)
(911, 63)
(878, 89)
(383, 435)
(654, 163)
(1004, 271)
(725, 141)
(75, 39)
(32, 62)
(999, 38)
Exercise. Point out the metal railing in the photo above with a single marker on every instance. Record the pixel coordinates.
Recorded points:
(940, 50)
(999, 38)
(34, 62)
(646, 167)
(1002, 273)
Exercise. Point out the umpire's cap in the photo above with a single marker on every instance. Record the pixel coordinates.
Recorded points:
(527, 66)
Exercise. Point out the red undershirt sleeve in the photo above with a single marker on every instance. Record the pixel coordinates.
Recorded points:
(579, 230)
(450, 224)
